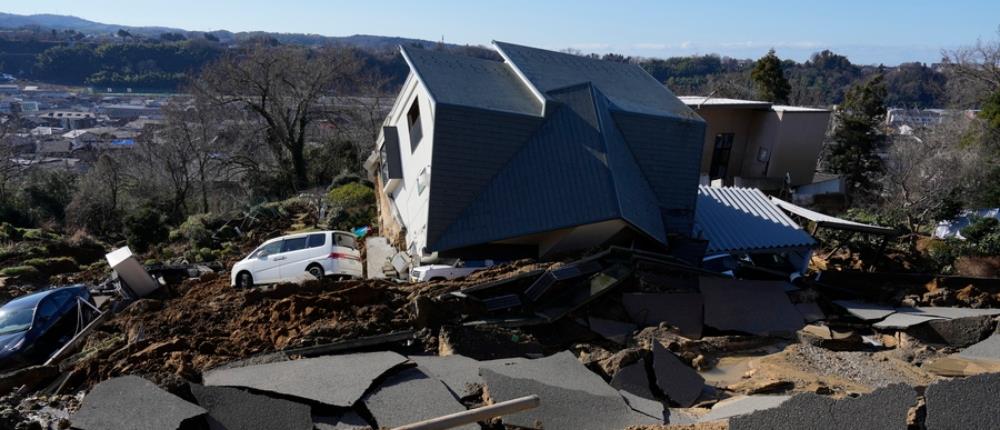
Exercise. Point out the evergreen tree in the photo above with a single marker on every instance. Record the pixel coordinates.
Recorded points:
(770, 79)
(857, 136)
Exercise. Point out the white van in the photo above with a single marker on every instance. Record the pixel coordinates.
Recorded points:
(286, 258)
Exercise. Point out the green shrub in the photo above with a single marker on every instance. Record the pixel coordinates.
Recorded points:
(9, 233)
(195, 231)
(351, 205)
(38, 234)
(144, 228)
(22, 272)
(981, 228)
(54, 265)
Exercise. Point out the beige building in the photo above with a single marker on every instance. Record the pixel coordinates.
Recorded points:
(756, 144)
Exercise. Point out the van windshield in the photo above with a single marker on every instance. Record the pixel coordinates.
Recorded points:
(345, 240)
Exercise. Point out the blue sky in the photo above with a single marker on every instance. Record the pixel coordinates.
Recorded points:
(870, 32)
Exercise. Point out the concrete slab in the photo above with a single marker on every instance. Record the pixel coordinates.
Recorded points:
(755, 307)
(864, 310)
(633, 379)
(904, 320)
(458, 372)
(969, 403)
(235, 409)
(883, 409)
(988, 349)
(682, 310)
(742, 405)
(651, 408)
(346, 421)
(679, 382)
(615, 331)
(562, 408)
(336, 380)
(130, 402)
(810, 311)
(411, 396)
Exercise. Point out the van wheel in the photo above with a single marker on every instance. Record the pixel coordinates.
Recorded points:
(244, 280)
(316, 271)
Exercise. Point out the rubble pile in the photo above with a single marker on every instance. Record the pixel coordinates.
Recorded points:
(618, 339)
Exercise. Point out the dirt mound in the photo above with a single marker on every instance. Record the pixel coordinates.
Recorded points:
(205, 323)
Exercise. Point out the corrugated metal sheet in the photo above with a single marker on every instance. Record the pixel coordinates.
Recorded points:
(744, 219)
(828, 221)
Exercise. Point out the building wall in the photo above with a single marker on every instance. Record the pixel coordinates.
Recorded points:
(406, 202)
(792, 139)
(799, 144)
(740, 122)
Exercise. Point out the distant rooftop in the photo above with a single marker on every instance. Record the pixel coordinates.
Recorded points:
(722, 102)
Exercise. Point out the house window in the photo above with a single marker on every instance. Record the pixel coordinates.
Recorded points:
(422, 180)
(413, 121)
(763, 154)
(720, 155)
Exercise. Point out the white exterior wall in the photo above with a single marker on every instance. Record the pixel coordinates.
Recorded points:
(411, 205)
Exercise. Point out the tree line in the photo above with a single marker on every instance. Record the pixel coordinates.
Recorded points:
(162, 63)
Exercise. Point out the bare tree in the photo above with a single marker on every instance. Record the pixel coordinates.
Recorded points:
(973, 71)
(280, 87)
(925, 168)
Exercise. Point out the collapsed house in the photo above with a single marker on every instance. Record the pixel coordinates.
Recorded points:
(532, 156)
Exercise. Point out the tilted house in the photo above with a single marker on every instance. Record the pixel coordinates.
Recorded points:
(540, 153)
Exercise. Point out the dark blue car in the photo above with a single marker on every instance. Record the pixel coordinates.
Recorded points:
(34, 326)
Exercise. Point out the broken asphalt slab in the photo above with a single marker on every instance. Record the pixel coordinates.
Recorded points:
(682, 310)
(969, 403)
(742, 405)
(562, 408)
(633, 379)
(458, 372)
(652, 408)
(235, 409)
(561, 370)
(615, 331)
(755, 307)
(958, 332)
(904, 320)
(336, 380)
(884, 409)
(865, 311)
(130, 402)
(411, 396)
(679, 382)
(346, 421)
(988, 349)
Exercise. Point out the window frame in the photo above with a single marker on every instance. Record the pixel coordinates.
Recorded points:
(414, 125)
(284, 244)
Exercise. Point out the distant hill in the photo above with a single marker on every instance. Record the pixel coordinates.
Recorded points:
(64, 22)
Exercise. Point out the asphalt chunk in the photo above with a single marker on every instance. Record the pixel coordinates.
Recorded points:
(130, 402)
(336, 380)
(235, 409)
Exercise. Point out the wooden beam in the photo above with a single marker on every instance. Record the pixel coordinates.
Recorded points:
(475, 415)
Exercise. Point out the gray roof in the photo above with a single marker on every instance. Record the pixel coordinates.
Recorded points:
(628, 86)
(744, 219)
(612, 143)
(472, 82)
(574, 157)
